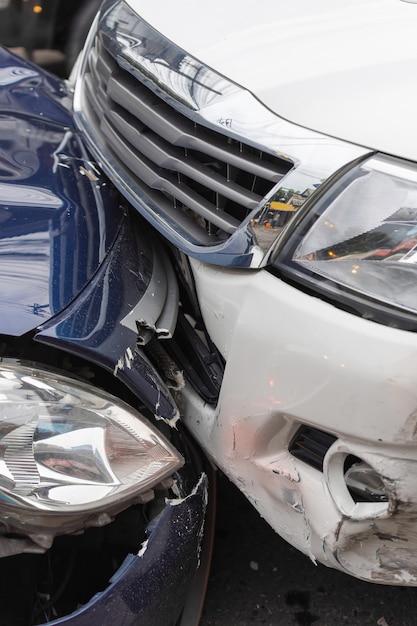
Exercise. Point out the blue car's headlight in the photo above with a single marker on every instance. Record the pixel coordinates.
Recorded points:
(71, 456)
(360, 237)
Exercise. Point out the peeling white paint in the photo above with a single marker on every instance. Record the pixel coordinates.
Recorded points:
(143, 548)
(119, 366)
(125, 360)
(129, 356)
(177, 501)
(90, 175)
(172, 422)
(175, 489)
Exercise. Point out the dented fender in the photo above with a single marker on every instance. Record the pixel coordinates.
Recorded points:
(106, 322)
(77, 270)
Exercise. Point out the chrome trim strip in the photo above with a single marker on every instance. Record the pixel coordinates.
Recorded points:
(209, 99)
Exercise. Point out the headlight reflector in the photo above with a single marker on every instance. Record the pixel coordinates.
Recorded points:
(362, 234)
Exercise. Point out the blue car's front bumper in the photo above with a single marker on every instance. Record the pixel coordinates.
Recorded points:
(151, 587)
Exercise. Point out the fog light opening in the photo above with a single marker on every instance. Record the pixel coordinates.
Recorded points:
(363, 481)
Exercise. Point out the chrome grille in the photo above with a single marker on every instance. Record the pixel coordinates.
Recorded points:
(201, 182)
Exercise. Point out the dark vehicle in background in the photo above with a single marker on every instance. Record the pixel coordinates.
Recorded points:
(57, 26)
(102, 495)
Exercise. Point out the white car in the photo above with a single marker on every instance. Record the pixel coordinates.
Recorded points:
(272, 146)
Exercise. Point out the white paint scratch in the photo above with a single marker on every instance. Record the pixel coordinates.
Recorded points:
(172, 422)
(124, 361)
(176, 501)
(119, 366)
(143, 548)
(90, 175)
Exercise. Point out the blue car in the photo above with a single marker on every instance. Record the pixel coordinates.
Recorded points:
(103, 498)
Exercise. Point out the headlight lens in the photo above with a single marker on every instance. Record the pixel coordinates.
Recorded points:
(70, 454)
(362, 234)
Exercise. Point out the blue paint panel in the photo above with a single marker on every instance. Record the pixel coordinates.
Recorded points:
(58, 214)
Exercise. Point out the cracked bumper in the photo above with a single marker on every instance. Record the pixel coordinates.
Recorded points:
(151, 587)
(292, 361)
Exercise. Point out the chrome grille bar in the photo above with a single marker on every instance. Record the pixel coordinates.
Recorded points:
(179, 130)
(164, 180)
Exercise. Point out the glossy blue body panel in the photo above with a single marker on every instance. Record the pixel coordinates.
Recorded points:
(73, 264)
(58, 216)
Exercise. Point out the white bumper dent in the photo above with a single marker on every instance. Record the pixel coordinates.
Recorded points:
(294, 360)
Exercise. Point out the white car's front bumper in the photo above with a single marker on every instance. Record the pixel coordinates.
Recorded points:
(293, 360)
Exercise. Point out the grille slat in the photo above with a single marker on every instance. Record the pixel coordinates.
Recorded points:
(165, 156)
(102, 65)
(166, 182)
(179, 130)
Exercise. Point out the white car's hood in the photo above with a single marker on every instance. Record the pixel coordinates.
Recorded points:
(345, 68)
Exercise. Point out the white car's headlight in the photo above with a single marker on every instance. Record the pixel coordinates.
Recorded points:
(71, 455)
(361, 235)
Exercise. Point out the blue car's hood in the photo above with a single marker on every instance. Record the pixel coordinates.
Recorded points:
(55, 229)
